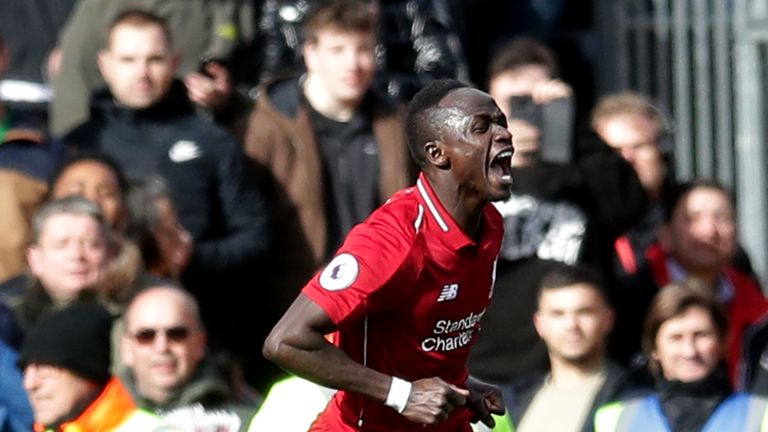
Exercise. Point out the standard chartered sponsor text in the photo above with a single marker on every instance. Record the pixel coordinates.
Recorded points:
(452, 334)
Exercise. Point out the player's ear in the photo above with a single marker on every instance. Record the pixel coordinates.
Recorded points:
(434, 152)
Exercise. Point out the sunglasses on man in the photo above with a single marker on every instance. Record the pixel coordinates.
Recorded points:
(175, 334)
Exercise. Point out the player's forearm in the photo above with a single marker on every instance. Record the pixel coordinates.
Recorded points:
(297, 344)
(313, 358)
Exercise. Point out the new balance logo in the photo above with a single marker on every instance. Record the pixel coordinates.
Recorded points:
(449, 292)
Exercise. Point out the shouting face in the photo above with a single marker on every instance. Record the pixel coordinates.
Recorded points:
(475, 143)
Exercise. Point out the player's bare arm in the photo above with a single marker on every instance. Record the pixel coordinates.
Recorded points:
(297, 344)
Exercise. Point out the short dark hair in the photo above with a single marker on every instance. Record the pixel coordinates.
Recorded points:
(419, 126)
(678, 192)
(563, 275)
(89, 156)
(139, 18)
(674, 300)
(522, 51)
(352, 15)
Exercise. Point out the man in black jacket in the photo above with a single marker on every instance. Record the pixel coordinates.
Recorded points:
(145, 121)
(566, 209)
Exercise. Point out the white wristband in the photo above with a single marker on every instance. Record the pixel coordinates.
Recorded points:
(399, 392)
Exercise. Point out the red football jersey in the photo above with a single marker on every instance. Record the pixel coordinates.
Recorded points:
(407, 290)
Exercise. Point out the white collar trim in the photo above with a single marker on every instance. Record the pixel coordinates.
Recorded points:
(431, 206)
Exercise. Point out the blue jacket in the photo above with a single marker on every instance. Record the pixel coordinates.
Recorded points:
(740, 412)
(15, 410)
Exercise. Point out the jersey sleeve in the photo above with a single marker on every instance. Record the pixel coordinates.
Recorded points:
(361, 276)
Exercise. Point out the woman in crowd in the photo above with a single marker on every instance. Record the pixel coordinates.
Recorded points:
(685, 339)
(96, 177)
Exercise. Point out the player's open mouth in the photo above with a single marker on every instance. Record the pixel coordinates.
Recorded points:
(501, 165)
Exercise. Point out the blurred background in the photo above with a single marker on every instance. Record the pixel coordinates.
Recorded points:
(703, 62)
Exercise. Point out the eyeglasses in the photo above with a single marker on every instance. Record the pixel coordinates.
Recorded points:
(173, 334)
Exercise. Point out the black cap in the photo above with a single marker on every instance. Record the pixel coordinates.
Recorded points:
(76, 338)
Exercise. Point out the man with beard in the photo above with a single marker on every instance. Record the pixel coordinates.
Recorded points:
(573, 319)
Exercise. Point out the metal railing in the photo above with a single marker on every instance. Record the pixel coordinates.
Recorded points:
(706, 63)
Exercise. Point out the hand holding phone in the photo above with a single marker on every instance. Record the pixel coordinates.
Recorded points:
(554, 122)
(211, 86)
(202, 67)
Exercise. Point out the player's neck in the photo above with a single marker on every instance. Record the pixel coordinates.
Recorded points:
(466, 211)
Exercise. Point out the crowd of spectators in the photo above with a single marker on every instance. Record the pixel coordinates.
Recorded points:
(173, 172)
